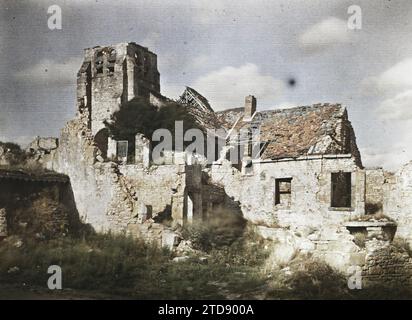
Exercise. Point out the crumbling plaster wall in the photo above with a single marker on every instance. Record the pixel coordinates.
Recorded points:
(334, 246)
(134, 74)
(310, 195)
(109, 195)
(309, 224)
(391, 194)
(107, 91)
(374, 191)
(397, 200)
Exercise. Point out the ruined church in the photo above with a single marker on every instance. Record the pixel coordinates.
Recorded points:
(301, 183)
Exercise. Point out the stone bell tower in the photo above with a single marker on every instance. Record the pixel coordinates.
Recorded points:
(112, 75)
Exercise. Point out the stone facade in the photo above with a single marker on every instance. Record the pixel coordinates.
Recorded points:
(390, 194)
(310, 191)
(300, 179)
(374, 193)
(112, 75)
(109, 194)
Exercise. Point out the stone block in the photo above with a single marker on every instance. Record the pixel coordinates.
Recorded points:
(282, 254)
(181, 259)
(48, 143)
(170, 239)
(306, 245)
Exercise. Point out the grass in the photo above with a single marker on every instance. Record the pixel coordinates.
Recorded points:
(312, 279)
(402, 245)
(121, 266)
(113, 266)
(12, 153)
(219, 231)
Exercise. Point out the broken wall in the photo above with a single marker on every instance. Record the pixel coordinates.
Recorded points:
(397, 200)
(109, 195)
(386, 265)
(310, 198)
(37, 209)
(374, 192)
(110, 76)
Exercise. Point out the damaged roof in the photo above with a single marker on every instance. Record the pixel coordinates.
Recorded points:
(294, 132)
(318, 129)
(200, 108)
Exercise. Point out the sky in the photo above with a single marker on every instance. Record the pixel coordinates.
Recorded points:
(225, 50)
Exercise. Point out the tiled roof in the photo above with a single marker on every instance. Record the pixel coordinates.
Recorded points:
(317, 129)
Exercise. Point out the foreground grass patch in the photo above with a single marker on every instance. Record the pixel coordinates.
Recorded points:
(123, 266)
(116, 266)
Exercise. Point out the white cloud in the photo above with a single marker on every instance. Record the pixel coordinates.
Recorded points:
(394, 88)
(398, 107)
(209, 12)
(329, 32)
(396, 78)
(227, 87)
(286, 105)
(389, 156)
(51, 73)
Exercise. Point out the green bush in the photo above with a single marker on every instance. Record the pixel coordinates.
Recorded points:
(402, 245)
(13, 153)
(139, 116)
(223, 229)
(317, 280)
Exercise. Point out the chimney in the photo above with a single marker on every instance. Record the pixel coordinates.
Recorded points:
(250, 107)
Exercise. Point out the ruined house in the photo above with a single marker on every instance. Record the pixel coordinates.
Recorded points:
(295, 173)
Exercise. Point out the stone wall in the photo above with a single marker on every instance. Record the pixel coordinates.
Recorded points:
(386, 265)
(310, 203)
(110, 76)
(334, 246)
(397, 200)
(307, 223)
(112, 196)
(37, 209)
(374, 191)
(390, 194)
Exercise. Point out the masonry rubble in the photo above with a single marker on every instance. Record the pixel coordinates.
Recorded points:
(299, 178)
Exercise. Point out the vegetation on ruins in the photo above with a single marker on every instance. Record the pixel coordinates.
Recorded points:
(139, 116)
(224, 228)
(12, 153)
